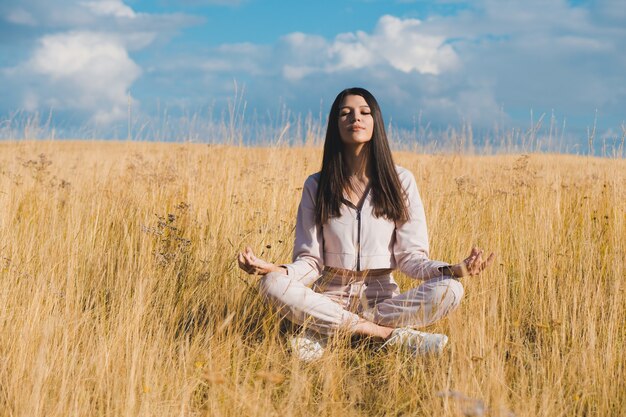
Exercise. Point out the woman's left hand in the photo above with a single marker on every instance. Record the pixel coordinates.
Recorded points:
(474, 264)
(256, 266)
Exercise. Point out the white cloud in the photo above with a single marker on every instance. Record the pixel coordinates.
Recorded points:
(81, 63)
(396, 43)
(94, 15)
(295, 73)
(84, 70)
(348, 52)
(407, 48)
(114, 8)
(60, 14)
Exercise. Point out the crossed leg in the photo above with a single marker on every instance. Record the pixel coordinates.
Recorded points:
(418, 307)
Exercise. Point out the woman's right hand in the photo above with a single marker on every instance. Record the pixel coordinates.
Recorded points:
(472, 265)
(256, 266)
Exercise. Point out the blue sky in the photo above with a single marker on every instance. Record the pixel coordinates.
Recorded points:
(487, 62)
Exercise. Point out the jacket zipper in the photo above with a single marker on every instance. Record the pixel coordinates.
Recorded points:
(358, 209)
(358, 240)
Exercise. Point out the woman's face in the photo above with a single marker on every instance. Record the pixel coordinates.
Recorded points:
(356, 123)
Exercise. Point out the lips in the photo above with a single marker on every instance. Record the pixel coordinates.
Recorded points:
(356, 128)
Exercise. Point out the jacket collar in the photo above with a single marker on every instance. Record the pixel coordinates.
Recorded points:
(364, 197)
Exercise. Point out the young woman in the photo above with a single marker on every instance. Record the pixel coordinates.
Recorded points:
(360, 218)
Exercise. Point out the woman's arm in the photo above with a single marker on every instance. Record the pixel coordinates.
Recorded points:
(411, 244)
(308, 247)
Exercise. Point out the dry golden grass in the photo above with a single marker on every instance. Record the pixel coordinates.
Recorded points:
(120, 293)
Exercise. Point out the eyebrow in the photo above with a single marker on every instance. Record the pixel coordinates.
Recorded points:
(348, 107)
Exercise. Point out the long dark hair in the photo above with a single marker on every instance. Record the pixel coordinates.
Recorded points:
(388, 197)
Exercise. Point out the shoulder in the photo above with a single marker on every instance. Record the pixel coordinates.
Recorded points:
(310, 184)
(406, 177)
(314, 177)
(312, 180)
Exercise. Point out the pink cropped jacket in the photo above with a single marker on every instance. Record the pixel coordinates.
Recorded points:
(358, 241)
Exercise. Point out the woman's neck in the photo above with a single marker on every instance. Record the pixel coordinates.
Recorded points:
(357, 162)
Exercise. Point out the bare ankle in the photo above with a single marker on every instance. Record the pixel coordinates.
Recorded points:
(367, 328)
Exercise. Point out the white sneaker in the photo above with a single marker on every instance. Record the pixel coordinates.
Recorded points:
(418, 343)
(308, 345)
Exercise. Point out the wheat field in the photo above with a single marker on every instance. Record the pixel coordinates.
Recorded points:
(121, 296)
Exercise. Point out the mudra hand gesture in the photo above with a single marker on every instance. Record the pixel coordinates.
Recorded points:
(256, 266)
(474, 264)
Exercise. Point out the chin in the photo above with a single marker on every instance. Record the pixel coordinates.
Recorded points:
(356, 140)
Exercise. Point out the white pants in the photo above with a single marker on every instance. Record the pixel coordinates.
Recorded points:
(339, 302)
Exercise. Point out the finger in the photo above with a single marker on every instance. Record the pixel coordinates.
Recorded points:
(479, 258)
(490, 259)
(244, 255)
(251, 254)
(249, 260)
(241, 260)
(474, 253)
(256, 262)
(475, 267)
(484, 264)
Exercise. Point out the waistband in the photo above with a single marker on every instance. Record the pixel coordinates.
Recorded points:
(357, 274)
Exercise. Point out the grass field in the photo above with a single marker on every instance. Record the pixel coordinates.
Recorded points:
(120, 293)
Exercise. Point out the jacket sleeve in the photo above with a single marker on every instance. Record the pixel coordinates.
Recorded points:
(308, 250)
(411, 244)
